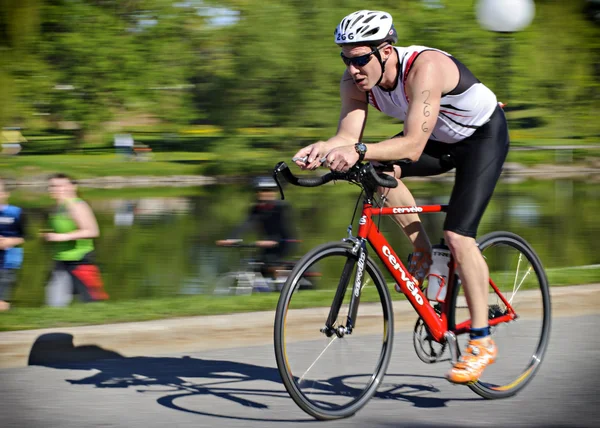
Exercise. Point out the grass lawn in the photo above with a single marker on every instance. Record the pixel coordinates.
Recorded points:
(195, 163)
(100, 165)
(181, 306)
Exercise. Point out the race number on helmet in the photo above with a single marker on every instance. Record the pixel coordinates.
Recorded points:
(368, 27)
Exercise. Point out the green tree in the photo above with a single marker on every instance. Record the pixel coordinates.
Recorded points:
(90, 62)
(19, 26)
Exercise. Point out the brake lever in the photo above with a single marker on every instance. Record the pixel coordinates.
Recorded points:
(277, 168)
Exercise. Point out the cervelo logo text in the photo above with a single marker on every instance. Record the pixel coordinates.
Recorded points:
(410, 284)
(404, 210)
(359, 274)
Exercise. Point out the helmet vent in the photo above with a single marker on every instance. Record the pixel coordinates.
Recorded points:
(357, 19)
(371, 32)
(366, 21)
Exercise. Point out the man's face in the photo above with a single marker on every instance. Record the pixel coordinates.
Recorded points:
(365, 77)
(266, 195)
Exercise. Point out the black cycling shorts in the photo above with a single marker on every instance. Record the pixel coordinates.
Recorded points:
(478, 160)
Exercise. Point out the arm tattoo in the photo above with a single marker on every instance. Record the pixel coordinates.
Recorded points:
(426, 110)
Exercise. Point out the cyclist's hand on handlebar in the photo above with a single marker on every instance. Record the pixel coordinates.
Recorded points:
(310, 157)
(267, 244)
(227, 242)
(341, 158)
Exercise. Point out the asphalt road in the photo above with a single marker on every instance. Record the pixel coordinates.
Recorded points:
(241, 387)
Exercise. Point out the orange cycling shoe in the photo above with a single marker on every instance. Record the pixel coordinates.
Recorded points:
(479, 354)
(419, 263)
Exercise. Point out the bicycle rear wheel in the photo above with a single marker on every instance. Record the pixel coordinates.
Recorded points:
(518, 274)
(333, 377)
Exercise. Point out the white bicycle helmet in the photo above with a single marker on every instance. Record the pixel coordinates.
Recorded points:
(369, 27)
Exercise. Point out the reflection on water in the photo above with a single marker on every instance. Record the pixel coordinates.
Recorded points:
(127, 210)
(523, 210)
(162, 245)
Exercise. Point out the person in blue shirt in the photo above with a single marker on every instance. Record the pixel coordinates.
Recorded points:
(12, 237)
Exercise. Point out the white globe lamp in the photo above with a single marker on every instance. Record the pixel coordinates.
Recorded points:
(505, 16)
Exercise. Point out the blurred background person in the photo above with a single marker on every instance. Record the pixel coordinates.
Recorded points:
(125, 213)
(12, 237)
(123, 144)
(74, 227)
(271, 218)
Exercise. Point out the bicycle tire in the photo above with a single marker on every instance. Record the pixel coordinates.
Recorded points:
(490, 246)
(312, 407)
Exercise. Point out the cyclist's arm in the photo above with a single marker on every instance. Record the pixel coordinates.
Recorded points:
(241, 229)
(250, 220)
(353, 114)
(424, 87)
(353, 117)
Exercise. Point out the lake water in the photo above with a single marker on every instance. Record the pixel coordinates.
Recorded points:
(160, 242)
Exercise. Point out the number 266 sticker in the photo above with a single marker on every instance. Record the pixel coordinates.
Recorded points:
(349, 36)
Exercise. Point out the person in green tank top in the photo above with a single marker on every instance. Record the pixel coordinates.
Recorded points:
(74, 228)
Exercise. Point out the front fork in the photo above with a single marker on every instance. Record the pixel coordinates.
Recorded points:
(359, 250)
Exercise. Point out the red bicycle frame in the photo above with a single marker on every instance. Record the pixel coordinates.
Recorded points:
(437, 325)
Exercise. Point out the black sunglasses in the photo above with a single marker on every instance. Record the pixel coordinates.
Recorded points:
(358, 61)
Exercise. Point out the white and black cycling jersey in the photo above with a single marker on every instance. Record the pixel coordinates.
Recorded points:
(464, 109)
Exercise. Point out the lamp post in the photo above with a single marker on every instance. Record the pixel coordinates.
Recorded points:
(505, 17)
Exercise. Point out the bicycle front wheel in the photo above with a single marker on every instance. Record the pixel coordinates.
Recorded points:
(330, 375)
(521, 282)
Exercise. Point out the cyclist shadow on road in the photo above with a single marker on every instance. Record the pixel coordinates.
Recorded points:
(415, 389)
(180, 381)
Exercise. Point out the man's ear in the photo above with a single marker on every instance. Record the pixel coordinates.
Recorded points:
(387, 51)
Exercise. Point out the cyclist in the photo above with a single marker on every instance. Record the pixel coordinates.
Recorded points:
(272, 219)
(451, 121)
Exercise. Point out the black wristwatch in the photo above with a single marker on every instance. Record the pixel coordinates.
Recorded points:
(361, 149)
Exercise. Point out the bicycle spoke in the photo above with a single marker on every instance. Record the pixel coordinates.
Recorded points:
(514, 268)
(529, 270)
(368, 280)
(338, 369)
(317, 359)
(517, 272)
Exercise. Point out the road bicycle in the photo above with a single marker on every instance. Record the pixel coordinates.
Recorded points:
(248, 276)
(333, 359)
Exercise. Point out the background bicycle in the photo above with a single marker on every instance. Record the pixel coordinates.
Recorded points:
(254, 272)
(350, 340)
